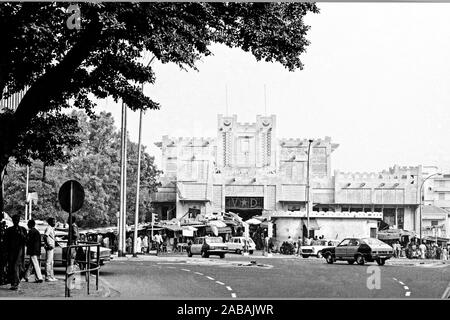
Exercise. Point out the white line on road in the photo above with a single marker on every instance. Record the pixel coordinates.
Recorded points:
(401, 283)
(229, 289)
(199, 273)
(170, 267)
(220, 282)
(394, 279)
(407, 294)
(405, 287)
(210, 278)
(187, 270)
(233, 295)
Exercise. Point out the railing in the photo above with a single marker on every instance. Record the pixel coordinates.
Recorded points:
(71, 259)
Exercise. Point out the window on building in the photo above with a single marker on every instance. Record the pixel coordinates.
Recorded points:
(400, 218)
(356, 209)
(389, 216)
(377, 210)
(434, 222)
(345, 209)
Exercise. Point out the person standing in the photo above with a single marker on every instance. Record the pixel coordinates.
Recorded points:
(299, 246)
(139, 244)
(129, 243)
(3, 254)
(423, 250)
(34, 251)
(15, 238)
(158, 240)
(145, 244)
(49, 245)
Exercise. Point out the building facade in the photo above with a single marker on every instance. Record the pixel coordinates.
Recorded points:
(247, 170)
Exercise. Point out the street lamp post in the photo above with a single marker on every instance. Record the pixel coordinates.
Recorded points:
(136, 216)
(308, 202)
(420, 203)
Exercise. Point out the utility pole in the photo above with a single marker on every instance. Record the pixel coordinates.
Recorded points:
(308, 188)
(138, 182)
(26, 194)
(123, 180)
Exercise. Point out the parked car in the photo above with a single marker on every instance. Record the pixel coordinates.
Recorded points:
(206, 246)
(317, 248)
(60, 253)
(359, 250)
(236, 244)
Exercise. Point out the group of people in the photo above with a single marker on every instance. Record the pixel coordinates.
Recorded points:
(143, 245)
(15, 242)
(425, 251)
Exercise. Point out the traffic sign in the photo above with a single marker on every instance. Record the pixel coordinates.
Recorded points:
(71, 196)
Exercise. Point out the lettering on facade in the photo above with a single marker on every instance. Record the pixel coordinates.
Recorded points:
(244, 202)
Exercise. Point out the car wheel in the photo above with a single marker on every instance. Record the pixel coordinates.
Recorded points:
(205, 254)
(360, 260)
(350, 261)
(319, 254)
(251, 251)
(329, 258)
(189, 254)
(222, 255)
(381, 262)
(238, 251)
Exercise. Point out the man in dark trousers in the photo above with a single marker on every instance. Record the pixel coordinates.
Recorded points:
(15, 237)
(3, 254)
(34, 251)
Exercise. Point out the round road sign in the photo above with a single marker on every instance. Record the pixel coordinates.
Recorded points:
(71, 196)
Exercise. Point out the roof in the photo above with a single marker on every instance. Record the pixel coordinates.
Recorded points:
(433, 209)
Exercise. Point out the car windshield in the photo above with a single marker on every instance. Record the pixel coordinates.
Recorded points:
(214, 240)
(373, 241)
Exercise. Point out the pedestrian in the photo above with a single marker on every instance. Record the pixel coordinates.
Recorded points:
(139, 244)
(299, 246)
(423, 250)
(158, 239)
(106, 242)
(34, 251)
(444, 253)
(145, 244)
(49, 245)
(129, 244)
(3, 254)
(15, 238)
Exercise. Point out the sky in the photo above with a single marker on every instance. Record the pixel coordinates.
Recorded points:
(376, 80)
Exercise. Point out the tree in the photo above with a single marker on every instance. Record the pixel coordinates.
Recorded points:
(95, 163)
(103, 58)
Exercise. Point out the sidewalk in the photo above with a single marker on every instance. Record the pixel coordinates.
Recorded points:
(54, 290)
(416, 262)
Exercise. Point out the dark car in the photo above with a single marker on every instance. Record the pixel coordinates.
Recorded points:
(359, 250)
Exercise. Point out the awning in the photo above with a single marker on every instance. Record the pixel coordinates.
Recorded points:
(217, 223)
(253, 221)
(313, 225)
(173, 227)
(222, 230)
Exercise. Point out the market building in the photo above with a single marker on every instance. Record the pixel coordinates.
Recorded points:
(247, 170)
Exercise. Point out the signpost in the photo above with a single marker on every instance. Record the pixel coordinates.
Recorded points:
(71, 198)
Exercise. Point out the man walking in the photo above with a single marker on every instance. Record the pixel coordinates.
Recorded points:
(15, 238)
(299, 246)
(145, 244)
(34, 251)
(49, 244)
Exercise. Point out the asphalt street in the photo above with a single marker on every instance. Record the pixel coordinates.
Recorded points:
(180, 277)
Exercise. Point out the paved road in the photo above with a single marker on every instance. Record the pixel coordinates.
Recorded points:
(272, 278)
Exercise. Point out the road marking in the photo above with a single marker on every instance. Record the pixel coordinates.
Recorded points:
(405, 287)
(187, 270)
(401, 283)
(220, 282)
(229, 289)
(407, 294)
(210, 278)
(394, 279)
(199, 273)
(446, 294)
(169, 267)
(233, 295)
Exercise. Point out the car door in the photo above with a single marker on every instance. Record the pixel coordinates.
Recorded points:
(341, 249)
(352, 248)
(196, 247)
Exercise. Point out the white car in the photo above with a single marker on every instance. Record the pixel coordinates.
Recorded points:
(316, 249)
(236, 244)
(206, 246)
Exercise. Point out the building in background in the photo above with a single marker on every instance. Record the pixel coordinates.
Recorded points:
(247, 170)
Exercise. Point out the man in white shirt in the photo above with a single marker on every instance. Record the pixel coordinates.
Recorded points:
(49, 244)
(423, 250)
(145, 244)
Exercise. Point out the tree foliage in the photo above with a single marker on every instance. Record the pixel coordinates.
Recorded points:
(95, 163)
(104, 58)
